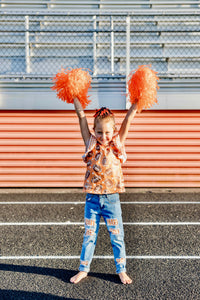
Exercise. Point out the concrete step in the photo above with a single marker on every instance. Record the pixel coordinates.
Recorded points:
(132, 194)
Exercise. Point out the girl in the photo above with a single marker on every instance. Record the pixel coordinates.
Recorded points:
(103, 183)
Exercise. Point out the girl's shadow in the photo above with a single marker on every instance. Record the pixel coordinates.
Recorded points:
(61, 274)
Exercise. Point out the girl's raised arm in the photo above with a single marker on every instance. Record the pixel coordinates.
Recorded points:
(85, 132)
(123, 132)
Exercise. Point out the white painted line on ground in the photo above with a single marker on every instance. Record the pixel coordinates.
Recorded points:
(161, 223)
(40, 202)
(83, 202)
(175, 257)
(40, 223)
(101, 223)
(161, 202)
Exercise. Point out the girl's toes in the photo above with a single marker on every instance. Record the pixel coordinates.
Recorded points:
(125, 279)
(78, 277)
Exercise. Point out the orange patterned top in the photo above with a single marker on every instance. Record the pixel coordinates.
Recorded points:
(104, 173)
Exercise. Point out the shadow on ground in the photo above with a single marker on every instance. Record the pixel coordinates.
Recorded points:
(22, 295)
(61, 274)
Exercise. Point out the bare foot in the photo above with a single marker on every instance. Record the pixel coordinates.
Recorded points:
(78, 277)
(125, 279)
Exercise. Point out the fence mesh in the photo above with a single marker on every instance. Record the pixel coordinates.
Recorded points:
(39, 45)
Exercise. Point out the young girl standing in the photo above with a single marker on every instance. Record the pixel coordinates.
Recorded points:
(103, 182)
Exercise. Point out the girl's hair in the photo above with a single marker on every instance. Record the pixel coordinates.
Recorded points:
(102, 114)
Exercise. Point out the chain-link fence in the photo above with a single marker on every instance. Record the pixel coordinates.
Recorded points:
(37, 45)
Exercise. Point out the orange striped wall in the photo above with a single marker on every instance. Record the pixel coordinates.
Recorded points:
(44, 149)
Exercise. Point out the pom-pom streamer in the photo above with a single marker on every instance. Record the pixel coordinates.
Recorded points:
(142, 87)
(71, 84)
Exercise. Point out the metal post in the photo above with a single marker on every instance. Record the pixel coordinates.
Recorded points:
(27, 50)
(127, 57)
(94, 46)
(112, 44)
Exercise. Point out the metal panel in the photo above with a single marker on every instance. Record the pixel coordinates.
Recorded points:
(44, 149)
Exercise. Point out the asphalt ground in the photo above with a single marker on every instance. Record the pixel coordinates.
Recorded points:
(42, 232)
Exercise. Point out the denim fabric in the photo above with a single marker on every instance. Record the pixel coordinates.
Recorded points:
(108, 206)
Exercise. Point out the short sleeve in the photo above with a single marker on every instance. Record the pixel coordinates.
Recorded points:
(91, 144)
(119, 149)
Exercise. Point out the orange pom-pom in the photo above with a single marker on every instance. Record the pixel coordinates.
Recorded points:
(142, 87)
(73, 83)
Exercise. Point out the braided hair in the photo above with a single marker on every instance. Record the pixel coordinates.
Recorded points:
(104, 113)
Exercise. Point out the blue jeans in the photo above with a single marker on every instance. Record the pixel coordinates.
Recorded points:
(108, 206)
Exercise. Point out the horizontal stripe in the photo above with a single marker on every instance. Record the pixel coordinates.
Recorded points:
(40, 202)
(83, 202)
(184, 257)
(41, 149)
(101, 223)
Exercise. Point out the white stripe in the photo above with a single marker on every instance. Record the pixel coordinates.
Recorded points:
(83, 202)
(163, 257)
(161, 223)
(175, 257)
(40, 202)
(40, 223)
(161, 202)
(101, 223)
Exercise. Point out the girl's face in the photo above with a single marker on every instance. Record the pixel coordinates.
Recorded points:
(104, 131)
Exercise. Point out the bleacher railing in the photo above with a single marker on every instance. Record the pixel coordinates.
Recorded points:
(38, 44)
(98, 4)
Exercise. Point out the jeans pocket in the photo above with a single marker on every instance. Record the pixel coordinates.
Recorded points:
(90, 197)
(113, 198)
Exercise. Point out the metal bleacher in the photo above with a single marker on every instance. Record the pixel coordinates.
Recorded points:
(39, 37)
(98, 4)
